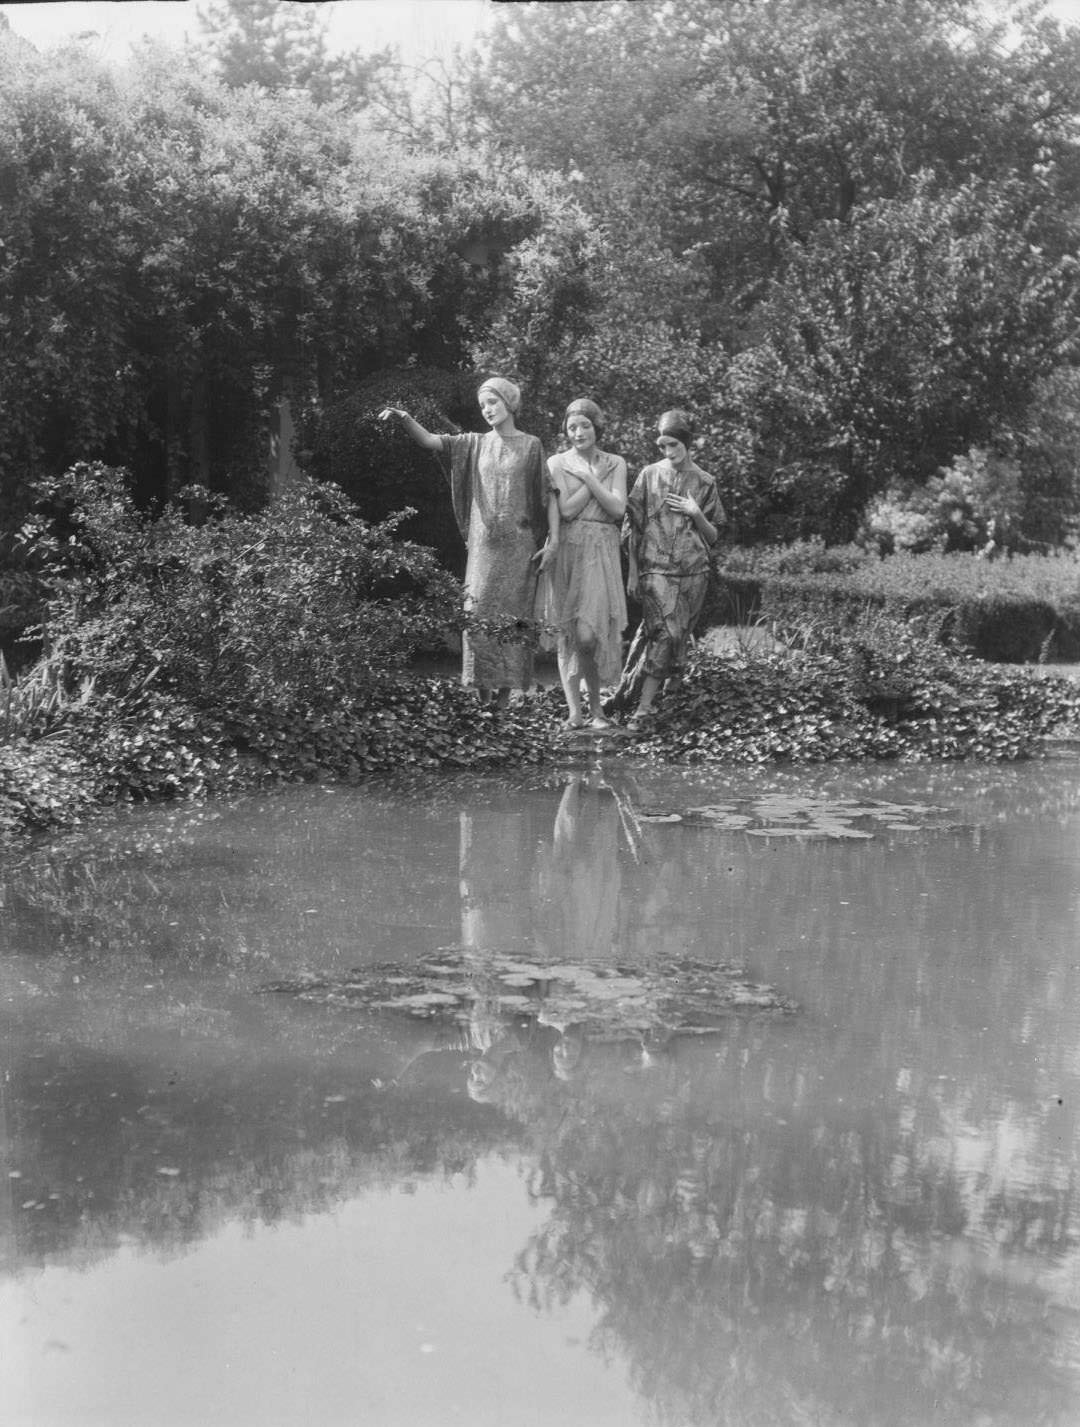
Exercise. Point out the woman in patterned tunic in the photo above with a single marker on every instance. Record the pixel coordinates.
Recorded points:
(672, 514)
(499, 490)
(587, 604)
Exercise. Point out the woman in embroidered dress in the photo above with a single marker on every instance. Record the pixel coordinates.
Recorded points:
(672, 515)
(498, 486)
(587, 604)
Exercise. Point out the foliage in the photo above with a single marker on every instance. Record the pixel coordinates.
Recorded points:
(183, 659)
(282, 47)
(889, 692)
(789, 114)
(868, 216)
(894, 340)
(1023, 495)
(849, 248)
(43, 786)
(799, 557)
(380, 471)
(1047, 448)
(974, 504)
(177, 255)
(1020, 608)
(304, 596)
(188, 660)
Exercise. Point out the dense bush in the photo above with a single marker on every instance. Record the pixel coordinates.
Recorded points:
(238, 612)
(187, 658)
(976, 503)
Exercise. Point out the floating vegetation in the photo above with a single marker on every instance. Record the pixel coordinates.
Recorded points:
(775, 815)
(683, 996)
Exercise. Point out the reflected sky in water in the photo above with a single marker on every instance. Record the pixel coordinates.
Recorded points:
(225, 1203)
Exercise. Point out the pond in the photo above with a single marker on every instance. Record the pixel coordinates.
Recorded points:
(607, 1095)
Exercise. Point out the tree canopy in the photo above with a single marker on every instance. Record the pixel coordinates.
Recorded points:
(852, 223)
(842, 231)
(280, 45)
(176, 253)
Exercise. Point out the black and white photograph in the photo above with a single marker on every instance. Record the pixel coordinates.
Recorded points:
(540, 713)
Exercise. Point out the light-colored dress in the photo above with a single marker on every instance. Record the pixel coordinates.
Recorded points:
(586, 583)
(499, 492)
(669, 560)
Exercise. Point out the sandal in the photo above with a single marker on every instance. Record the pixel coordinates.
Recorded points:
(568, 725)
(599, 723)
(639, 722)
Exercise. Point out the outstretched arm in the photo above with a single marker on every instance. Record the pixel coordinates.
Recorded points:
(428, 439)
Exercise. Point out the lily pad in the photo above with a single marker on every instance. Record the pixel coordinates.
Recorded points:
(773, 815)
(686, 996)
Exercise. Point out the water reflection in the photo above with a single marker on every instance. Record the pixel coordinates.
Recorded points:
(863, 1212)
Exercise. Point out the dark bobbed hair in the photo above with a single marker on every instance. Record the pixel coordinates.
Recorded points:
(584, 406)
(677, 423)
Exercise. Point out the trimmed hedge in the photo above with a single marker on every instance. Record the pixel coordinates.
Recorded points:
(1017, 610)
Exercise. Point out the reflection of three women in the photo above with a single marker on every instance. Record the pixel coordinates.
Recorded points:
(519, 517)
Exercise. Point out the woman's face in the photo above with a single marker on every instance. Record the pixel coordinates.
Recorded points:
(581, 434)
(673, 449)
(492, 407)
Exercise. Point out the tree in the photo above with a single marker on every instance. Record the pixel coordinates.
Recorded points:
(279, 45)
(176, 254)
(894, 342)
(736, 126)
(868, 212)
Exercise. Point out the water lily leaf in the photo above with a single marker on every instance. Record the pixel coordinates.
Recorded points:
(685, 996)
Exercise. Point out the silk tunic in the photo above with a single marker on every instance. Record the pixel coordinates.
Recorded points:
(586, 585)
(669, 560)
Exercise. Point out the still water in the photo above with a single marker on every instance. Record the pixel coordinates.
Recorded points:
(849, 1197)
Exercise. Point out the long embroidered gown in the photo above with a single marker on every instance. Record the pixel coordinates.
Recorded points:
(498, 489)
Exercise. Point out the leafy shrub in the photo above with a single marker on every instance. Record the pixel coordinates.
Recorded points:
(43, 786)
(898, 697)
(182, 659)
(302, 599)
(976, 503)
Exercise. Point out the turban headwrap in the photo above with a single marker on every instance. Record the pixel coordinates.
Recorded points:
(677, 423)
(589, 409)
(510, 393)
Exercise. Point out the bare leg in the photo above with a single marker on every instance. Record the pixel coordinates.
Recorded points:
(649, 688)
(592, 683)
(586, 643)
(571, 684)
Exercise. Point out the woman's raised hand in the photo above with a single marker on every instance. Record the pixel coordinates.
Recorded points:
(389, 411)
(686, 503)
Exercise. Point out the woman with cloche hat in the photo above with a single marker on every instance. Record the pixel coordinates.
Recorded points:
(499, 489)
